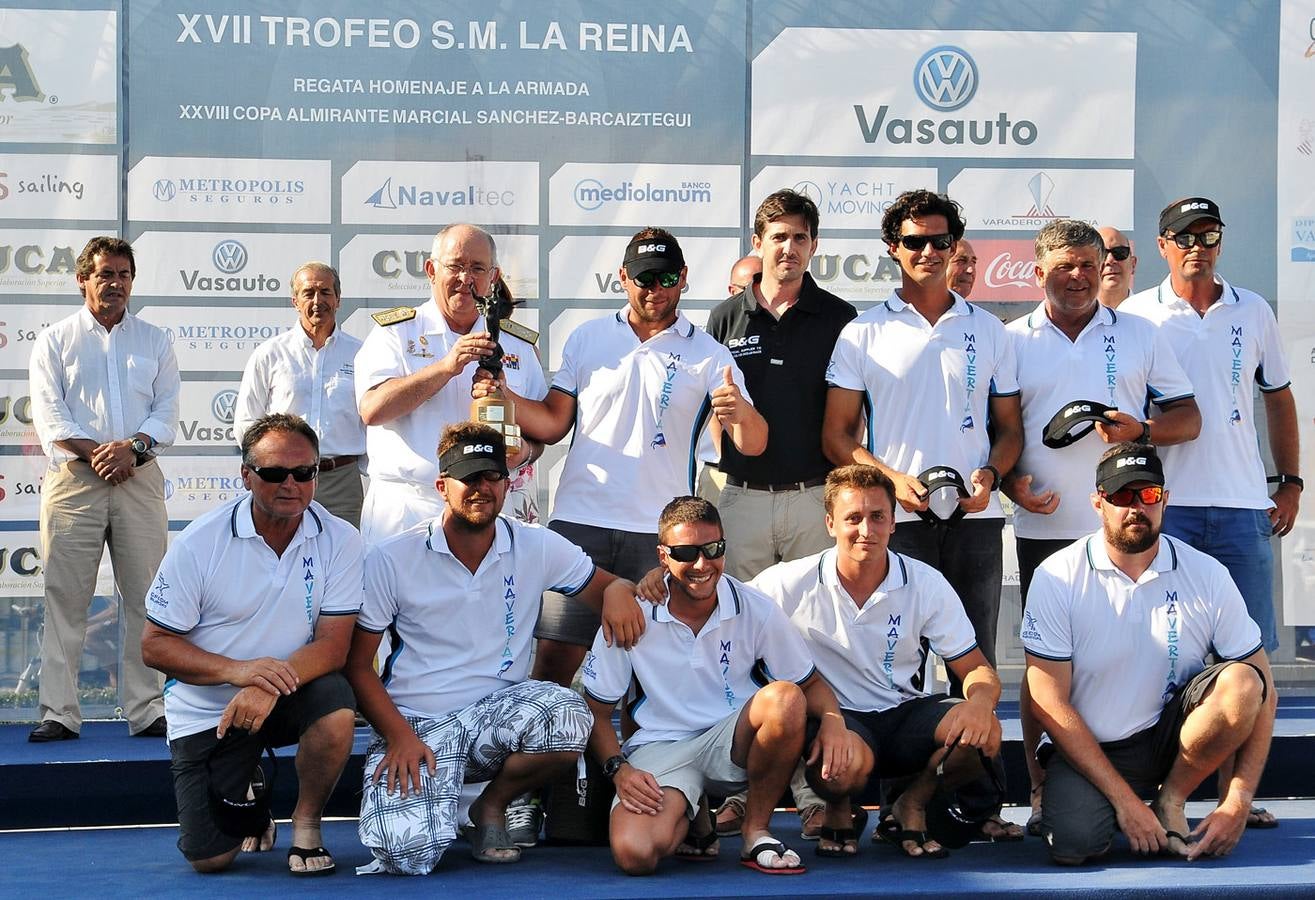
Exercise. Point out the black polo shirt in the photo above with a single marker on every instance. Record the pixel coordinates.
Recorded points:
(784, 365)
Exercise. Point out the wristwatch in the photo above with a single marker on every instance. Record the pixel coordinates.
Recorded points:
(995, 476)
(613, 765)
(140, 449)
(1145, 436)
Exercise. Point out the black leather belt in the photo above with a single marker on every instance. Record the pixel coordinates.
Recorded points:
(329, 463)
(775, 488)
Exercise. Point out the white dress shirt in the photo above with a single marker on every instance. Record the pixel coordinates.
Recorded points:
(102, 385)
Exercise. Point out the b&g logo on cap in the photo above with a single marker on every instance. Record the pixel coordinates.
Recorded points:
(1130, 461)
(477, 448)
(1188, 207)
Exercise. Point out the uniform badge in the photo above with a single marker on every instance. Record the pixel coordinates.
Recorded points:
(395, 315)
(511, 360)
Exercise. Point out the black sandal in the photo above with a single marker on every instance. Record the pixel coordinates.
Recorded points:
(845, 837)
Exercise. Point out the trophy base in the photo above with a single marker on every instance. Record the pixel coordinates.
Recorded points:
(498, 417)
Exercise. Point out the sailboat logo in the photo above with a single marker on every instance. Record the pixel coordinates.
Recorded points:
(383, 198)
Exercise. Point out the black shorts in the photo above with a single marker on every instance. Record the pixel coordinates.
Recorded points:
(902, 738)
(202, 761)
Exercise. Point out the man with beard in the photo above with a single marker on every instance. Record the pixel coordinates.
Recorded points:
(454, 703)
(1118, 630)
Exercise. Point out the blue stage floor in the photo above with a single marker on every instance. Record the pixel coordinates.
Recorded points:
(132, 862)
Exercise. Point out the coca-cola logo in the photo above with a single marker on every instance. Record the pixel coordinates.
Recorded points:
(1006, 270)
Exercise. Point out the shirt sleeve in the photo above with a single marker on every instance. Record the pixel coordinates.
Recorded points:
(50, 413)
(947, 627)
(781, 647)
(606, 673)
(1165, 381)
(845, 370)
(567, 569)
(1272, 373)
(252, 394)
(1047, 630)
(162, 417)
(567, 378)
(174, 599)
(379, 359)
(379, 602)
(344, 593)
(1236, 635)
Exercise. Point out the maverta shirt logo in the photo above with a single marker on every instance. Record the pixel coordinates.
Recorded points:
(664, 400)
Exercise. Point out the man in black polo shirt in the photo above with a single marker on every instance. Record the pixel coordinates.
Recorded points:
(780, 329)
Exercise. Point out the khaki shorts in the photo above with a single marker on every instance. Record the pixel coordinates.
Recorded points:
(695, 765)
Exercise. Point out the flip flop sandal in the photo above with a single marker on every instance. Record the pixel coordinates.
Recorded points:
(484, 838)
(304, 853)
(1005, 835)
(845, 837)
(695, 848)
(1256, 818)
(1187, 840)
(731, 828)
(768, 844)
(893, 833)
(273, 831)
(859, 814)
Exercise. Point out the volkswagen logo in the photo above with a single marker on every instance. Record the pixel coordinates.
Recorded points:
(229, 257)
(810, 190)
(945, 78)
(164, 190)
(223, 405)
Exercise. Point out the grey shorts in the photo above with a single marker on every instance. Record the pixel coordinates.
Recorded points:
(202, 761)
(694, 765)
(624, 553)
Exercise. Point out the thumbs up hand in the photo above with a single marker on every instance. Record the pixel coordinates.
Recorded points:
(728, 403)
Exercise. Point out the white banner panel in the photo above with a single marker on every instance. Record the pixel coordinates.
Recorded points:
(641, 194)
(208, 189)
(197, 484)
(20, 486)
(846, 196)
(891, 93)
(205, 414)
(16, 416)
(41, 262)
(218, 339)
(59, 186)
(378, 192)
(391, 267)
(20, 566)
(58, 76)
(1026, 199)
(20, 325)
(210, 264)
(855, 269)
(586, 267)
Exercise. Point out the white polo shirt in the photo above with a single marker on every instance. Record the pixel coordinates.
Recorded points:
(405, 450)
(682, 683)
(1223, 352)
(926, 387)
(1132, 643)
(1117, 359)
(286, 374)
(872, 657)
(458, 637)
(223, 588)
(639, 410)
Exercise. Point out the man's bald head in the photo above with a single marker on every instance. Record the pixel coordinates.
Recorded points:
(1116, 274)
(743, 273)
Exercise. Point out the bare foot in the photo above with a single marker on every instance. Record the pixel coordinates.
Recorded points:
(1173, 819)
(263, 842)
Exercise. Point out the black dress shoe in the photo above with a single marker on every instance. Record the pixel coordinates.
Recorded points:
(158, 728)
(50, 730)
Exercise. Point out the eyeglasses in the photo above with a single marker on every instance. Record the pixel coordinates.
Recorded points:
(493, 476)
(688, 553)
(1186, 240)
(916, 242)
(1119, 253)
(1149, 495)
(647, 279)
(456, 270)
(279, 474)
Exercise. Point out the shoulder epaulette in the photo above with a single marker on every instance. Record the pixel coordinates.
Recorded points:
(526, 334)
(394, 315)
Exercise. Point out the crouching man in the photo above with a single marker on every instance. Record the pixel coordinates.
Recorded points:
(1118, 630)
(711, 715)
(250, 616)
(459, 595)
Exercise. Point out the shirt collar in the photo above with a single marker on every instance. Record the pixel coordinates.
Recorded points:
(809, 299)
(959, 307)
(437, 538)
(1098, 557)
(243, 526)
(897, 572)
(431, 320)
(1104, 317)
(1165, 293)
(89, 322)
(682, 327)
(730, 600)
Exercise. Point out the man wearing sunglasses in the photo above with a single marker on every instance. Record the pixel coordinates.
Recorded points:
(927, 370)
(637, 387)
(1119, 628)
(250, 617)
(459, 594)
(1118, 269)
(1226, 338)
(704, 722)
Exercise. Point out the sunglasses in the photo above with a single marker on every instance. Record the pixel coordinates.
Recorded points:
(1186, 240)
(916, 242)
(1149, 495)
(493, 476)
(688, 553)
(279, 474)
(1119, 253)
(647, 279)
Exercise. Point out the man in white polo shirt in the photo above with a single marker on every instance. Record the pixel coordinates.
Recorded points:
(250, 617)
(458, 595)
(414, 375)
(868, 616)
(1118, 631)
(638, 387)
(309, 371)
(926, 371)
(1070, 348)
(720, 687)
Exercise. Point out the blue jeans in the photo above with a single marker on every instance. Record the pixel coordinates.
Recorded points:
(1240, 539)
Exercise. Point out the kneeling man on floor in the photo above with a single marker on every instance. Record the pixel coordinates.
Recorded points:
(459, 596)
(867, 616)
(1118, 628)
(249, 617)
(711, 715)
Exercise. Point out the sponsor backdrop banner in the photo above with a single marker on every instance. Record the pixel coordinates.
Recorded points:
(59, 89)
